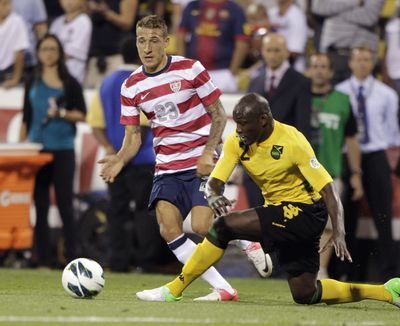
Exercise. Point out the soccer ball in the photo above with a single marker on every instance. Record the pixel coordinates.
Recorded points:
(83, 278)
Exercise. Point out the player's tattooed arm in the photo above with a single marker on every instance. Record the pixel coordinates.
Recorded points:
(205, 163)
(218, 116)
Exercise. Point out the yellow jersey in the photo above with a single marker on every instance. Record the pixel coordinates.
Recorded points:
(284, 166)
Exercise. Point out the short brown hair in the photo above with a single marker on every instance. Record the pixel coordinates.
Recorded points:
(153, 22)
(362, 48)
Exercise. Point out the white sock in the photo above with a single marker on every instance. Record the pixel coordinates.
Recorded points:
(183, 247)
(241, 244)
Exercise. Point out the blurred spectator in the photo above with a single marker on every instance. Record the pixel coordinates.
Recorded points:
(112, 22)
(257, 17)
(375, 106)
(177, 10)
(303, 4)
(290, 21)
(53, 103)
(265, 3)
(391, 71)
(151, 7)
(347, 24)
(53, 9)
(287, 91)
(133, 184)
(258, 22)
(74, 29)
(333, 125)
(315, 23)
(35, 16)
(213, 33)
(14, 41)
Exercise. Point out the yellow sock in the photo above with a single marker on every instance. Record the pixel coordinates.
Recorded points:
(340, 292)
(205, 255)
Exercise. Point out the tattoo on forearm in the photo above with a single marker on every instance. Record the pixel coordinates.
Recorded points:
(214, 107)
(136, 129)
(217, 113)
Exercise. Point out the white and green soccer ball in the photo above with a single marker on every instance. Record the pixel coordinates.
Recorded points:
(83, 278)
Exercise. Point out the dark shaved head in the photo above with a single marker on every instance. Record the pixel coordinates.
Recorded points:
(252, 105)
(253, 118)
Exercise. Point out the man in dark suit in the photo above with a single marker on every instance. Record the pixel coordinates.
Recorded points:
(287, 91)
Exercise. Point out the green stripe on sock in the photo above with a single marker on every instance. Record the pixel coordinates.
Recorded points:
(316, 298)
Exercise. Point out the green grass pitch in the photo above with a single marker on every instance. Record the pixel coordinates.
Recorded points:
(31, 297)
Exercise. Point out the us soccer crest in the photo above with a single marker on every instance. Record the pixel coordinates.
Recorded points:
(276, 151)
(175, 86)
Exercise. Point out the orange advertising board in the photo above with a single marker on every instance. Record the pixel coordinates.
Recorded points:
(17, 177)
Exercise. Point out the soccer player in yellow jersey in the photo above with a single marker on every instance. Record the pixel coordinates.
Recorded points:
(299, 194)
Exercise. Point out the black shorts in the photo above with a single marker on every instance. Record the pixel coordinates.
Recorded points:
(294, 230)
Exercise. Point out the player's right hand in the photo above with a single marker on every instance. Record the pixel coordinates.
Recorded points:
(111, 166)
(205, 164)
(219, 204)
(337, 241)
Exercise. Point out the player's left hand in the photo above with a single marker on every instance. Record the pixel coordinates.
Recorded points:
(338, 242)
(205, 164)
(219, 204)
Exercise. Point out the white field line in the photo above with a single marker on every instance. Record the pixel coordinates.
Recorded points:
(347, 323)
(97, 319)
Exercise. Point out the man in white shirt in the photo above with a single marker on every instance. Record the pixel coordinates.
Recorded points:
(14, 41)
(289, 20)
(391, 75)
(375, 106)
(347, 24)
(34, 14)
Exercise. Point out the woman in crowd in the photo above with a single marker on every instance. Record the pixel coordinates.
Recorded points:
(53, 104)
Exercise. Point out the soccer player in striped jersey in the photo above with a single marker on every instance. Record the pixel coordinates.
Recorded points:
(187, 119)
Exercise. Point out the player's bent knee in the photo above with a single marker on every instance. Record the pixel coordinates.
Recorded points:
(304, 297)
(220, 234)
(170, 233)
(200, 228)
(301, 299)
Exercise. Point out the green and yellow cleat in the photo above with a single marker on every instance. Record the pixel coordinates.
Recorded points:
(393, 286)
(162, 294)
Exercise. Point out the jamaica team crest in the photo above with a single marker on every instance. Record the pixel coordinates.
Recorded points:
(276, 151)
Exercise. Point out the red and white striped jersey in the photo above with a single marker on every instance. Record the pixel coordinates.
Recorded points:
(174, 101)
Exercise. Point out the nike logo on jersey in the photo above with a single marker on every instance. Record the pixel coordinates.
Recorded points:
(144, 96)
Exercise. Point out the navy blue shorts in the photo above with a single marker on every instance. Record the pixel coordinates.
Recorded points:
(184, 190)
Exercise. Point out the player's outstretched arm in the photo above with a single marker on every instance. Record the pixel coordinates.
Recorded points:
(205, 164)
(335, 211)
(113, 164)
